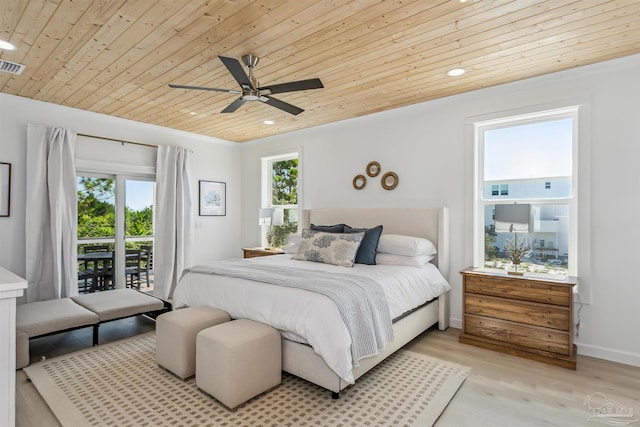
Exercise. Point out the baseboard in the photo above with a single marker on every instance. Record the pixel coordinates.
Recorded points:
(455, 323)
(624, 357)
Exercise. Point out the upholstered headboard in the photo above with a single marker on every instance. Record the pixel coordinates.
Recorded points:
(430, 223)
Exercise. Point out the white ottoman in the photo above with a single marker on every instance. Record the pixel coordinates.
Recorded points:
(176, 337)
(238, 360)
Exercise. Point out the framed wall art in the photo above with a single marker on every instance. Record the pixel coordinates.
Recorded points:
(5, 189)
(213, 198)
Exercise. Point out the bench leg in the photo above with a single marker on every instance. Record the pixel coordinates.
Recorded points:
(95, 334)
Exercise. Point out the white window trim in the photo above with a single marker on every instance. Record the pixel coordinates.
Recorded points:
(266, 188)
(479, 202)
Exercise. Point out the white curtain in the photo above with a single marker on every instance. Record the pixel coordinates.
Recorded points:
(51, 217)
(174, 218)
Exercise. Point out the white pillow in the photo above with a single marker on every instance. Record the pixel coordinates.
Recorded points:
(329, 248)
(398, 244)
(411, 261)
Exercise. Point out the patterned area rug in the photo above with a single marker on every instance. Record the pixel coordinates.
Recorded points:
(119, 384)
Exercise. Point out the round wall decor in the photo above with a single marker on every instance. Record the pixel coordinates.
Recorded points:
(389, 181)
(373, 169)
(359, 181)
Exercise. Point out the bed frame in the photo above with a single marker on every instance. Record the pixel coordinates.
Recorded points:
(431, 223)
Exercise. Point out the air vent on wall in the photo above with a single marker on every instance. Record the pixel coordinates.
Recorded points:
(11, 67)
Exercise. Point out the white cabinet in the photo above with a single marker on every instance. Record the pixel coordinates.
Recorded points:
(11, 287)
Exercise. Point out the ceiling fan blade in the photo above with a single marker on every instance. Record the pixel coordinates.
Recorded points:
(291, 109)
(293, 86)
(236, 70)
(234, 105)
(215, 89)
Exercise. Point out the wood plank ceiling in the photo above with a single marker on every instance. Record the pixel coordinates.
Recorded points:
(117, 57)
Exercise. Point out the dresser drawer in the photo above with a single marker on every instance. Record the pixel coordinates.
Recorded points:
(519, 289)
(512, 333)
(522, 312)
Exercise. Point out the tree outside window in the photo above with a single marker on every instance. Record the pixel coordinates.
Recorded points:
(284, 195)
(280, 176)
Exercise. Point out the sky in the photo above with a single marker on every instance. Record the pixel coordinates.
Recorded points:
(533, 150)
(139, 194)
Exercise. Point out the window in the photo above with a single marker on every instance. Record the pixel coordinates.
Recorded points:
(499, 189)
(279, 213)
(528, 160)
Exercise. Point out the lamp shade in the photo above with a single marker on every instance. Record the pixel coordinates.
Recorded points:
(277, 217)
(293, 215)
(512, 218)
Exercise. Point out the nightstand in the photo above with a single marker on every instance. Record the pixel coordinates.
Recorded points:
(526, 316)
(256, 252)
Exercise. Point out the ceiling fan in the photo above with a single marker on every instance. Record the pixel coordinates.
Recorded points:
(250, 88)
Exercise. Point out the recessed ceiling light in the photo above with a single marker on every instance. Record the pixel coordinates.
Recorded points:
(268, 122)
(456, 72)
(193, 113)
(6, 45)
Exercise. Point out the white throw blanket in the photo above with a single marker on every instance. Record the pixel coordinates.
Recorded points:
(360, 300)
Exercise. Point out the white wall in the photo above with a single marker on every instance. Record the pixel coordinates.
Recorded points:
(430, 147)
(214, 159)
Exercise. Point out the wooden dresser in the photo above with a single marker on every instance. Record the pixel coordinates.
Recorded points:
(524, 316)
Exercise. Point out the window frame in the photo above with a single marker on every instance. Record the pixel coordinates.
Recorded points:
(266, 186)
(120, 174)
(481, 126)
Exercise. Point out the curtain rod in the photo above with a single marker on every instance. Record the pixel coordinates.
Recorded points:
(118, 140)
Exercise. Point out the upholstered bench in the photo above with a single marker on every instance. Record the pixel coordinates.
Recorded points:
(50, 317)
(176, 337)
(43, 318)
(238, 360)
(117, 304)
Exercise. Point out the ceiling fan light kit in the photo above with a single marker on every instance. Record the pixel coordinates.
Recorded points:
(250, 88)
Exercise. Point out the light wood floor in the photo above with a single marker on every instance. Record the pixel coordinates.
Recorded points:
(501, 390)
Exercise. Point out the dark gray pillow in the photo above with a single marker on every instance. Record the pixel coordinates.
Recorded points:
(338, 228)
(367, 250)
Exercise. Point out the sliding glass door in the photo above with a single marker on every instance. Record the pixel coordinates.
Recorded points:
(115, 232)
(139, 235)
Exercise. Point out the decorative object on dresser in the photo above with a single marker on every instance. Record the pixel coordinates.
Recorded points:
(514, 218)
(530, 317)
(256, 252)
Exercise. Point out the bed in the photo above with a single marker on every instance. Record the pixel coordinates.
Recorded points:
(323, 367)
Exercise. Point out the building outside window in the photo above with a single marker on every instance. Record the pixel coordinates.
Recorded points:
(280, 177)
(528, 160)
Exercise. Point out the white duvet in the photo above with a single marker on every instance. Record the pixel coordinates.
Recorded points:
(309, 317)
